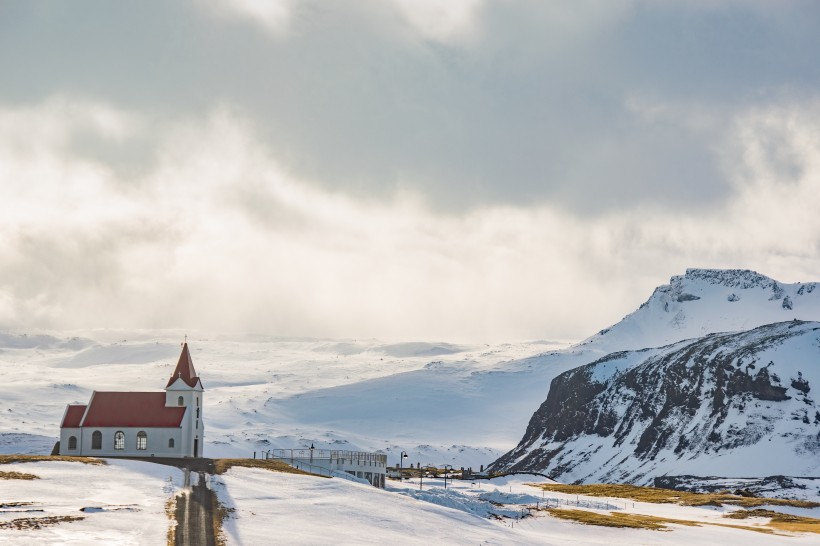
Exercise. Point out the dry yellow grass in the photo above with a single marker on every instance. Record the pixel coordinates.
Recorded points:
(618, 519)
(222, 465)
(17, 476)
(670, 496)
(779, 521)
(37, 523)
(638, 521)
(14, 504)
(220, 514)
(171, 512)
(8, 459)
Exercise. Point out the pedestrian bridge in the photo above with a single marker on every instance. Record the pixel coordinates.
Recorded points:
(362, 466)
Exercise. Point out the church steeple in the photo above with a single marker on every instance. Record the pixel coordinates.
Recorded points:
(185, 369)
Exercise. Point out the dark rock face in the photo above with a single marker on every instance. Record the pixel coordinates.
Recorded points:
(682, 399)
(760, 487)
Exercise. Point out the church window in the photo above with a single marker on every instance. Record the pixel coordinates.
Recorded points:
(119, 440)
(96, 440)
(170, 442)
(197, 423)
(197, 413)
(142, 440)
(72, 442)
(197, 401)
(180, 401)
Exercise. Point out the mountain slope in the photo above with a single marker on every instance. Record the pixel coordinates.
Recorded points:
(705, 301)
(736, 404)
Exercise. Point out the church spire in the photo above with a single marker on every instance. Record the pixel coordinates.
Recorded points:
(185, 369)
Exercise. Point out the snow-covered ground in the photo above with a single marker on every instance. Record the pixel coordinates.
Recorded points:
(289, 509)
(442, 403)
(123, 502)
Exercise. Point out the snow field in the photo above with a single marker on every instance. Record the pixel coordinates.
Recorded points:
(125, 502)
(267, 507)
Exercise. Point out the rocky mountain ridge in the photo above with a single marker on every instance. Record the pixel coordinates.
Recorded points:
(690, 398)
(720, 404)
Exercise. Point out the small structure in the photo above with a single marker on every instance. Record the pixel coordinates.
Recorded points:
(140, 424)
(363, 466)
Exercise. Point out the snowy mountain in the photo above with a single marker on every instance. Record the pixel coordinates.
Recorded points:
(442, 403)
(732, 404)
(705, 301)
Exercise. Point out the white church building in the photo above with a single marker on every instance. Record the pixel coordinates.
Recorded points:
(140, 424)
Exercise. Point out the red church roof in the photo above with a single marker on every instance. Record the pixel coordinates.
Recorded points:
(185, 369)
(73, 416)
(131, 409)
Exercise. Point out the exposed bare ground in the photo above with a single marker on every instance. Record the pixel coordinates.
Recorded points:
(14, 504)
(221, 513)
(17, 476)
(222, 465)
(37, 523)
(670, 496)
(640, 521)
(8, 459)
(618, 519)
(194, 515)
(779, 521)
(170, 511)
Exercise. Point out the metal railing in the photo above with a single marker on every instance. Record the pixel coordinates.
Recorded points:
(339, 456)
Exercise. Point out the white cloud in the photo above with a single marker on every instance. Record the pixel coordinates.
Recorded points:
(272, 15)
(216, 235)
(454, 20)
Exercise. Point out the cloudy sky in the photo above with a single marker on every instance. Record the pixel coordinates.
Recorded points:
(475, 170)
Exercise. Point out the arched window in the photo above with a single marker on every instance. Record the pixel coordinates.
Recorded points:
(180, 401)
(197, 401)
(142, 440)
(96, 440)
(170, 442)
(72, 442)
(119, 440)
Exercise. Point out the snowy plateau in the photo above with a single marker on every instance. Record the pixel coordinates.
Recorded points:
(714, 376)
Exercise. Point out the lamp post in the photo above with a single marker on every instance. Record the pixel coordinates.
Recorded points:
(445, 474)
(402, 457)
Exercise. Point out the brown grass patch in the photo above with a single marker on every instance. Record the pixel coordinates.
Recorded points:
(171, 512)
(22, 524)
(14, 504)
(17, 476)
(9, 459)
(637, 521)
(220, 514)
(223, 465)
(618, 519)
(780, 521)
(670, 496)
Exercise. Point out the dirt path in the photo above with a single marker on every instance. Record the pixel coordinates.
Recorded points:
(195, 507)
(195, 514)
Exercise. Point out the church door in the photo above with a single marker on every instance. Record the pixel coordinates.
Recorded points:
(196, 447)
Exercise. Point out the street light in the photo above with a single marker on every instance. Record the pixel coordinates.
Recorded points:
(445, 474)
(402, 457)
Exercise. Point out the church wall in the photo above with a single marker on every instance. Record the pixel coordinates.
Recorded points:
(65, 434)
(157, 442)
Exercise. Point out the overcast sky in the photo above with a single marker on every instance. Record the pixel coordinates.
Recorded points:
(487, 170)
